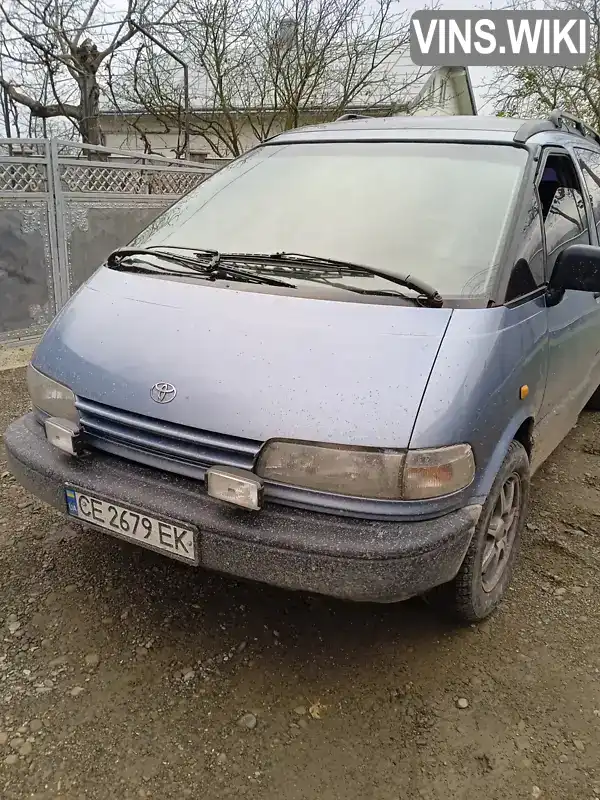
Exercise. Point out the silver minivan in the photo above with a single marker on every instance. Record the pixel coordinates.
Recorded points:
(335, 365)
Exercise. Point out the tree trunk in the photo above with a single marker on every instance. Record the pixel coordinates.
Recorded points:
(6, 113)
(91, 133)
(88, 61)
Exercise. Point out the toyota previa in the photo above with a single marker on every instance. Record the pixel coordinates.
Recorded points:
(335, 365)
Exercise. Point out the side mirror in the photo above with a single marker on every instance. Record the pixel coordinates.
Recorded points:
(577, 268)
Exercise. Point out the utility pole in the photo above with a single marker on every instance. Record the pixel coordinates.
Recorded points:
(186, 84)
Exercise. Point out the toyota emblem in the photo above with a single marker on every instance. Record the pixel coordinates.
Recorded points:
(163, 392)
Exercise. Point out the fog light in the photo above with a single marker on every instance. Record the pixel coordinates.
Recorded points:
(65, 435)
(236, 486)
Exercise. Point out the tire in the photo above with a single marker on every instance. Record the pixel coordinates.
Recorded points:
(474, 594)
(593, 404)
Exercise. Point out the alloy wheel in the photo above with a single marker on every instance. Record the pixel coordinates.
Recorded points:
(500, 534)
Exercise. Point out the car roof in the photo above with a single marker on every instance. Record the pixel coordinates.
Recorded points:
(501, 130)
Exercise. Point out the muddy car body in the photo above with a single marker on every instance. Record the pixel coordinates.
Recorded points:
(360, 420)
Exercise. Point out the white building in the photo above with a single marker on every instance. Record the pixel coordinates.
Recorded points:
(442, 90)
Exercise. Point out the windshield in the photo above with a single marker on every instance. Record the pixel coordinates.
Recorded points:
(433, 210)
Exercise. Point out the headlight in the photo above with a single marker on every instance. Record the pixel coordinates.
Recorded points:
(357, 471)
(379, 474)
(52, 397)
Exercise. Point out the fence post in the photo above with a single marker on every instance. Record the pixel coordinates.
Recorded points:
(58, 226)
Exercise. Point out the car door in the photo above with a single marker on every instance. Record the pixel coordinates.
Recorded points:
(573, 317)
(523, 294)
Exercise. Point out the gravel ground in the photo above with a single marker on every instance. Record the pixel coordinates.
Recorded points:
(15, 355)
(126, 675)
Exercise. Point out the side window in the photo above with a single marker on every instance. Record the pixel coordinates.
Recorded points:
(563, 208)
(528, 271)
(589, 161)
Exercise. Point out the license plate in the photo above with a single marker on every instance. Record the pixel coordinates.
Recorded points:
(168, 537)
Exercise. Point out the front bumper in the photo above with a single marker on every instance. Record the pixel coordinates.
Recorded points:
(342, 557)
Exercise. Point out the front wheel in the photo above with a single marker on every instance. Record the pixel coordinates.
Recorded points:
(487, 569)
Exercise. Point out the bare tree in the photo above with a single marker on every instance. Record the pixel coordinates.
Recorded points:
(330, 55)
(9, 109)
(10, 115)
(54, 53)
(269, 65)
(215, 39)
(535, 91)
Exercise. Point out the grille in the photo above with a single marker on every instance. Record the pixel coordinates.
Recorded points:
(176, 448)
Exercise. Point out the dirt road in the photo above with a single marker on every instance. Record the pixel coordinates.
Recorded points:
(125, 675)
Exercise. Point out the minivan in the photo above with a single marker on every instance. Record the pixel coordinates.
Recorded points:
(335, 365)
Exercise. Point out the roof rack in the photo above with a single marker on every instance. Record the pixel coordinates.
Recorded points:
(564, 119)
(346, 117)
(557, 120)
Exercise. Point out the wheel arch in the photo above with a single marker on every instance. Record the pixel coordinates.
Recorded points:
(524, 435)
(520, 429)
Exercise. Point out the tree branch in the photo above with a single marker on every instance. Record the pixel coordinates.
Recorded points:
(37, 108)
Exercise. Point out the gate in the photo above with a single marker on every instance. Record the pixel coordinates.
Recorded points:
(63, 207)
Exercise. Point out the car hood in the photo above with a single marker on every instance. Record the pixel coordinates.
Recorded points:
(250, 364)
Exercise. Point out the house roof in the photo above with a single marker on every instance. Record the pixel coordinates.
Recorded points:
(396, 82)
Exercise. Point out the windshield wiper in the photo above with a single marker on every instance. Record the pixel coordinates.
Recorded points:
(427, 294)
(212, 271)
(217, 268)
(115, 259)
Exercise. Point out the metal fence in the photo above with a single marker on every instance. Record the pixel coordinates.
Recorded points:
(63, 207)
